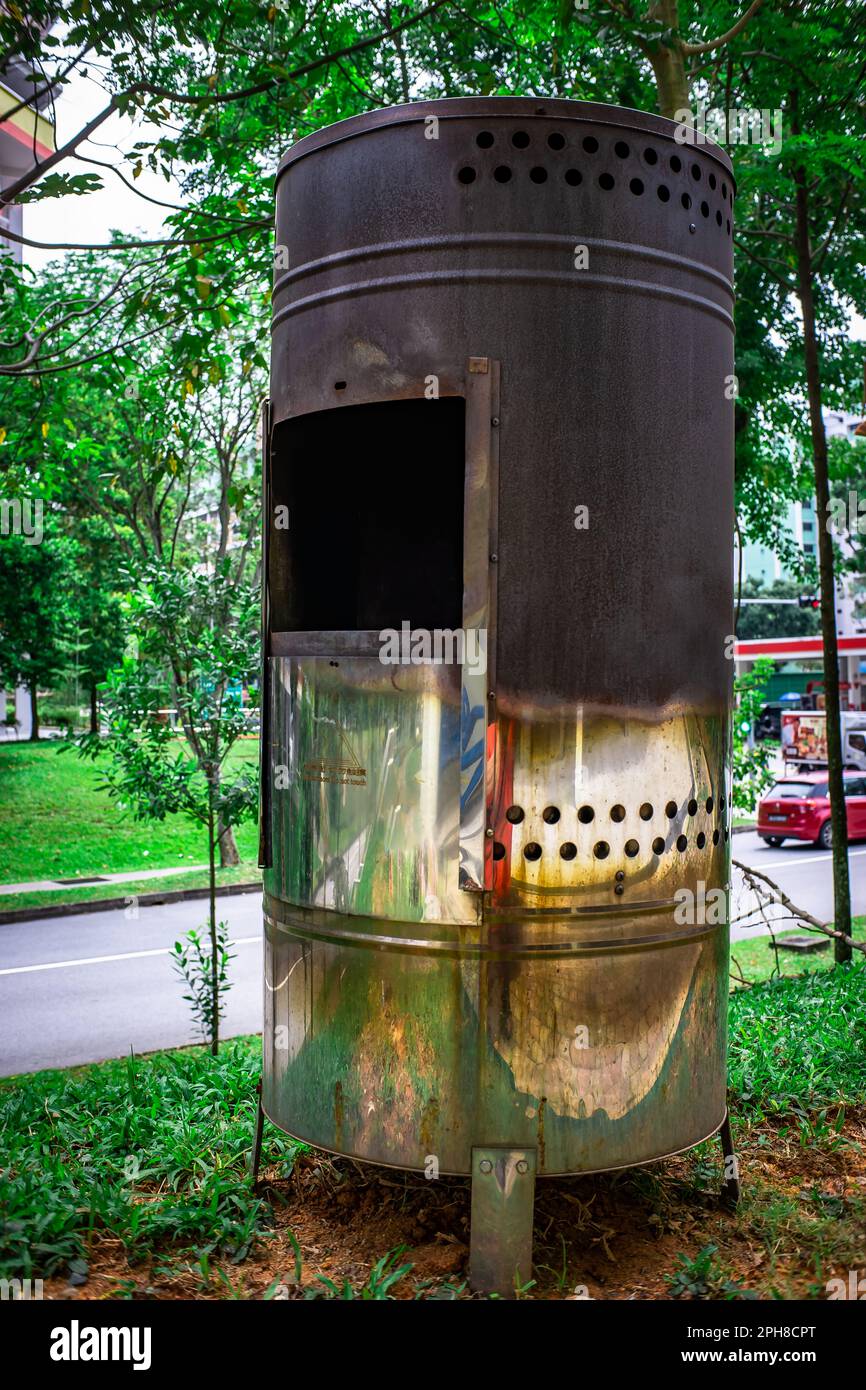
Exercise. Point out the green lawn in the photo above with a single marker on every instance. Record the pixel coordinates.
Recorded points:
(57, 822)
(134, 1169)
(756, 960)
(245, 872)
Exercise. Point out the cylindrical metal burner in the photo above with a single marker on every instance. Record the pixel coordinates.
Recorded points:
(500, 405)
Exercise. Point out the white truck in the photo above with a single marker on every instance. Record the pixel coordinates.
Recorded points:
(804, 739)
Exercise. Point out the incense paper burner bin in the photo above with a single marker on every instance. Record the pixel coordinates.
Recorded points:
(496, 705)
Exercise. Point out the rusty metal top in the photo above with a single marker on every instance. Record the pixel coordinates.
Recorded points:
(526, 108)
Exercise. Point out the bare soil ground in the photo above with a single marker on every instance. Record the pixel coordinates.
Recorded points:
(651, 1233)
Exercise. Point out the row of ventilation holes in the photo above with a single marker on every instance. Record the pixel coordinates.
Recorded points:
(551, 814)
(520, 140)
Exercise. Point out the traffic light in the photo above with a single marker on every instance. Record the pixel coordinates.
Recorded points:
(809, 600)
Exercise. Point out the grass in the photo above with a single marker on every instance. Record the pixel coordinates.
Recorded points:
(147, 1153)
(50, 780)
(245, 872)
(799, 1043)
(139, 1166)
(755, 959)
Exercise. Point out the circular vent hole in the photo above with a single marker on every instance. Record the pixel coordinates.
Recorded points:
(574, 177)
(484, 139)
(621, 149)
(466, 174)
(658, 845)
(727, 834)
(646, 811)
(606, 182)
(708, 805)
(502, 174)
(650, 156)
(705, 209)
(671, 810)
(538, 174)
(722, 802)
(601, 849)
(498, 850)
(715, 837)
(550, 815)
(339, 385)
(514, 814)
(712, 180)
(664, 193)
(590, 144)
(632, 848)
(682, 843)
(676, 163)
(729, 229)
(585, 815)
(686, 201)
(696, 173)
(556, 141)
(724, 190)
(693, 808)
(718, 219)
(636, 186)
(520, 139)
(617, 813)
(568, 850)
(701, 840)
(532, 850)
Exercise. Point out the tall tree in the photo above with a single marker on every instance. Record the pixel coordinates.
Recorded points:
(805, 232)
(37, 619)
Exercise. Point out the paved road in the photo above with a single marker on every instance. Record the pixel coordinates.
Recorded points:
(83, 988)
(79, 989)
(803, 871)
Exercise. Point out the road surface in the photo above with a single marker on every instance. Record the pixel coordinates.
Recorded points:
(83, 988)
(802, 870)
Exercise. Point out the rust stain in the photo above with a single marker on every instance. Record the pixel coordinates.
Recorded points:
(429, 1122)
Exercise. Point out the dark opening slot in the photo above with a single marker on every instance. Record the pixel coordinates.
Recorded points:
(374, 495)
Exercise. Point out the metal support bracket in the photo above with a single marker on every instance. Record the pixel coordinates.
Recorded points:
(503, 1199)
(730, 1194)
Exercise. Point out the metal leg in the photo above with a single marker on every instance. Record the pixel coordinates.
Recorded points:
(500, 1240)
(731, 1186)
(256, 1155)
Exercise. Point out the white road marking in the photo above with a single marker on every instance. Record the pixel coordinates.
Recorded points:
(826, 858)
(101, 960)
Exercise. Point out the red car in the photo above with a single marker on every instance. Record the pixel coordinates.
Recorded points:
(798, 808)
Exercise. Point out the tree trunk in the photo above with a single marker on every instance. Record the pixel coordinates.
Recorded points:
(669, 67)
(826, 568)
(214, 977)
(94, 709)
(228, 846)
(34, 713)
(669, 64)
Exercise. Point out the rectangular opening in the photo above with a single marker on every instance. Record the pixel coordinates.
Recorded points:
(373, 498)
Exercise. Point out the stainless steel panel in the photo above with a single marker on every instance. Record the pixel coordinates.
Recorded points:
(365, 775)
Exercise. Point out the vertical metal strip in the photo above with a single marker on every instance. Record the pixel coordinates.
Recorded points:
(479, 519)
(265, 759)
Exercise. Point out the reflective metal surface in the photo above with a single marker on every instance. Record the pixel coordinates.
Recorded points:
(496, 913)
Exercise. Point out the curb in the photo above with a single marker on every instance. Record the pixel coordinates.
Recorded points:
(743, 829)
(176, 895)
